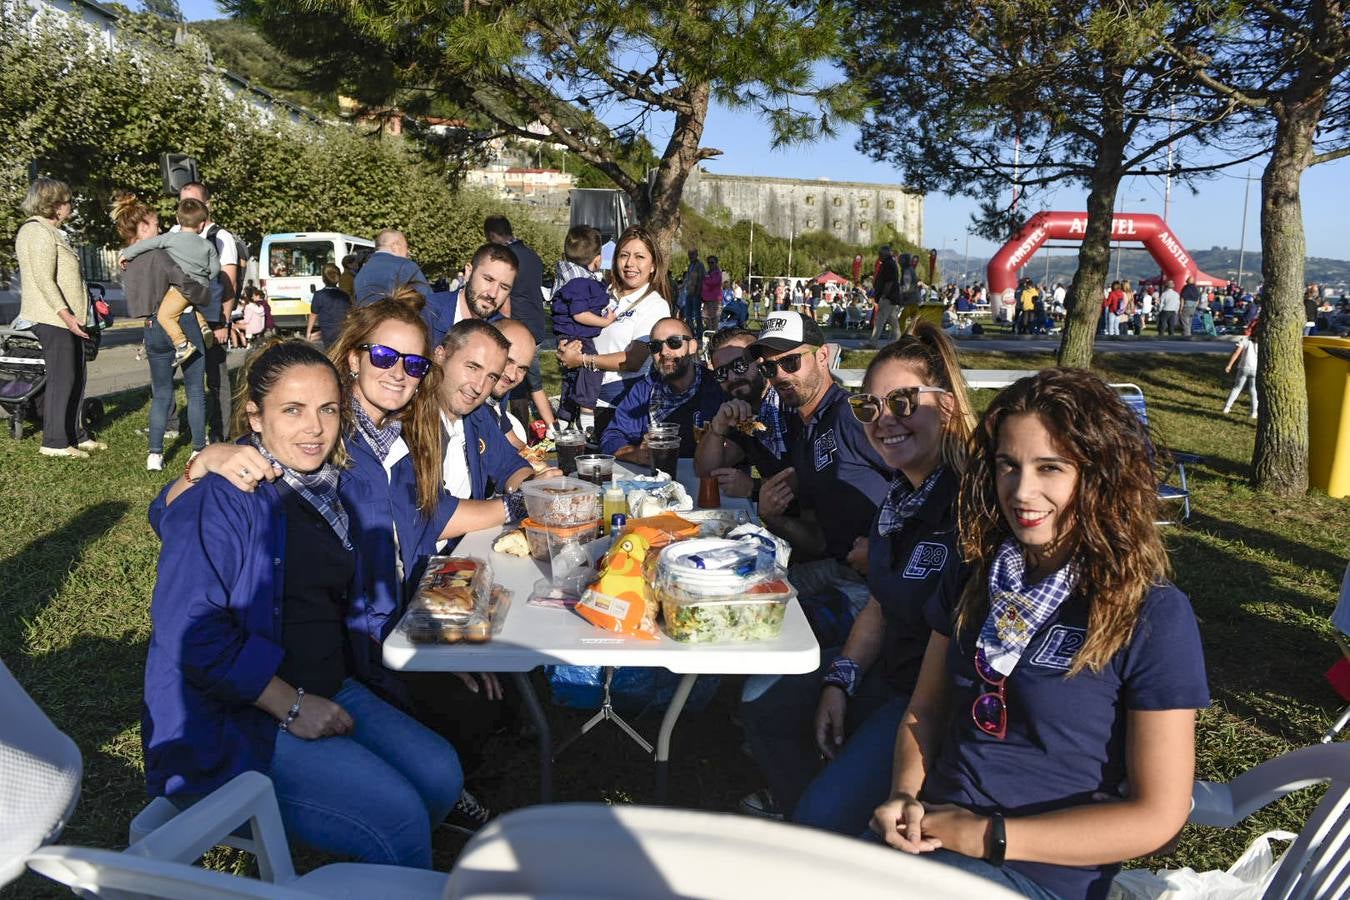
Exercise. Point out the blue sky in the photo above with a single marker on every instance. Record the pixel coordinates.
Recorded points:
(1213, 217)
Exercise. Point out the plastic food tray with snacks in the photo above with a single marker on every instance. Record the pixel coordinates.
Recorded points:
(456, 600)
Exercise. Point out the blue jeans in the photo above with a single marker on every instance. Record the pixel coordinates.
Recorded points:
(780, 728)
(858, 780)
(1004, 876)
(375, 794)
(159, 353)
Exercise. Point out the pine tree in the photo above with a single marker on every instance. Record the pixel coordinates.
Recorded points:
(596, 76)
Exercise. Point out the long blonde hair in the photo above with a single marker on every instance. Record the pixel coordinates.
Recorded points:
(1115, 540)
(421, 417)
(932, 355)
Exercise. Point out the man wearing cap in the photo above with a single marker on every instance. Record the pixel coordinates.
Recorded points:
(677, 388)
(747, 439)
(826, 496)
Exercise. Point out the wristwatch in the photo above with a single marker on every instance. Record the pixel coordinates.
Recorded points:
(998, 840)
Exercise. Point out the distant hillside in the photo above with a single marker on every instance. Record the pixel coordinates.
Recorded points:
(238, 47)
(1136, 263)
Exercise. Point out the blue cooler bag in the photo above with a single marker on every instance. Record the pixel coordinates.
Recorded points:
(635, 689)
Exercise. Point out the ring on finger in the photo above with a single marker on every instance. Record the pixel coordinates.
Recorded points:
(245, 473)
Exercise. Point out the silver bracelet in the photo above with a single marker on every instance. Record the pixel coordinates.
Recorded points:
(294, 712)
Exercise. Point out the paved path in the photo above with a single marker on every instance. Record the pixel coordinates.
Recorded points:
(117, 368)
(1013, 344)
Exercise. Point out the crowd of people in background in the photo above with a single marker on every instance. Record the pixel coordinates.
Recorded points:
(945, 564)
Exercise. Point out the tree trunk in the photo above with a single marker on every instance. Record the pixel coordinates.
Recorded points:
(658, 207)
(1094, 263)
(1280, 459)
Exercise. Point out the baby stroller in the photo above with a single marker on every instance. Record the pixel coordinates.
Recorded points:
(23, 378)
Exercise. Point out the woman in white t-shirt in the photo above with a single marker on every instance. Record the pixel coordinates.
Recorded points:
(639, 288)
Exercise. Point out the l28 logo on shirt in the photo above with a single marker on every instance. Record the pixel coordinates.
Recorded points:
(825, 448)
(1061, 646)
(926, 559)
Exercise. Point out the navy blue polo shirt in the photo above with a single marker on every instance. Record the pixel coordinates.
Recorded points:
(908, 572)
(1065, 744)
(839, 474)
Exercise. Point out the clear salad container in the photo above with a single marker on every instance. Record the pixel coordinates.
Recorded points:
(715, 591)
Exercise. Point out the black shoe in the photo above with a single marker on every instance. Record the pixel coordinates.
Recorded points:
(468, 816)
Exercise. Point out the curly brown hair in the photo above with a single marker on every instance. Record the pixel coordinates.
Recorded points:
(1115, 539)
(421, 418)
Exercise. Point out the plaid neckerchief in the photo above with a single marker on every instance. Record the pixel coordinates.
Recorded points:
(319, 489)
(772, 414)
(1017, 610)
(664, 401)
(903, 501)
(381, 440)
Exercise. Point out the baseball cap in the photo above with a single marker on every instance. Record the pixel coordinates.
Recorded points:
(785, 331)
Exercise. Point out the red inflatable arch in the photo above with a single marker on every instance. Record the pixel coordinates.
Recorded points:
(1146, 228)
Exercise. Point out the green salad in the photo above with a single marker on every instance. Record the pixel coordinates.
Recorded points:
(715, 621)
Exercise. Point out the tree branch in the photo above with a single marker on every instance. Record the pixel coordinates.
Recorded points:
(1329, 155)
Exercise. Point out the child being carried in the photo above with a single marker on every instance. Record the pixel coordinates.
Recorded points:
(199, 261)
(581, 308)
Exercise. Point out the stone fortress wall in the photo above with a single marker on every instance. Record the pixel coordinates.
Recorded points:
(851, 210)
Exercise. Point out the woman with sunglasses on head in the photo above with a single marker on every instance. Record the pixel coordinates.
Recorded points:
(250, 667)
(641, 292)
(914, 412)
(1052, 732)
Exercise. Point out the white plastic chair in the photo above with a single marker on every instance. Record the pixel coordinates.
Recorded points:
(40, 771)
(641, 853)
(1340, 620)
(1317, 865)
(160, 864)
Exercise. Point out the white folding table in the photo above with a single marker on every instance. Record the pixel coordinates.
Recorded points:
(534, 636)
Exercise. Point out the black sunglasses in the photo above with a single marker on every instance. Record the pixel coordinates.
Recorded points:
(789, 364)
(736, 367)
(902, 402)
(382, 357)
(674, 342)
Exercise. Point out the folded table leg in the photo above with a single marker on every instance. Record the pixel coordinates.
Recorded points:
(526, 688)
(667, 728)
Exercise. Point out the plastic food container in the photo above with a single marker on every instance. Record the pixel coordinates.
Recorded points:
(452, 602)
(710, 605)
(538, 534)
(561, 501)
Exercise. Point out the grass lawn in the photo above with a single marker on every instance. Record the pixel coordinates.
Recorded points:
(79, 566)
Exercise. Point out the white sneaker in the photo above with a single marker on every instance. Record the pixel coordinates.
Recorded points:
(1253, 415)
(154, 462)
(68, 452)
